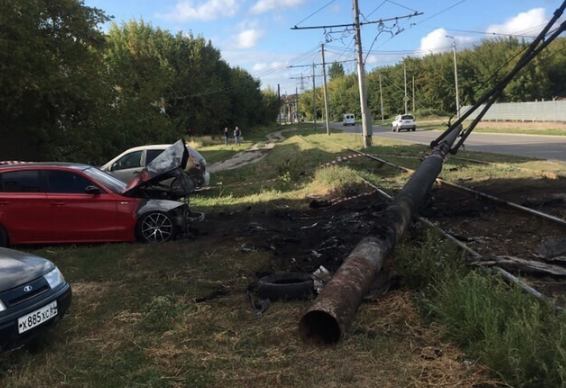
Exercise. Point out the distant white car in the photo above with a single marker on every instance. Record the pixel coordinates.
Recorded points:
(131, 162)
(348, 119)
(406, 122)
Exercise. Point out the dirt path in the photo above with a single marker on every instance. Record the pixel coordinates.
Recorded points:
(251, 155)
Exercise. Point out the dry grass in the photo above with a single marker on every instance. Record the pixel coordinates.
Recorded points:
(146, 331)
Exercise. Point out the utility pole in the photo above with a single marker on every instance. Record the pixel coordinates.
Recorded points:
(405, 78)
(313, 96)
(366, 118)
(297, 104)
(367, 129)
(413, 95)
(279, 102)
(381, 98)
(325, 91)
(455, 76)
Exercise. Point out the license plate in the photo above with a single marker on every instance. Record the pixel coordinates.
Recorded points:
(38, 317)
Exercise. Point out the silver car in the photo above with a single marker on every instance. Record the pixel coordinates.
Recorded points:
(131, 162)
(406, 122)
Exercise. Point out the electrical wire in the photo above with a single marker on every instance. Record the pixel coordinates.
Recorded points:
(275, 69)
(314, 13)
(378, 7)
(442, 11)
(401, 5)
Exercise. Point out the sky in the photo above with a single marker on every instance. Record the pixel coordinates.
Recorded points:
(267, 37)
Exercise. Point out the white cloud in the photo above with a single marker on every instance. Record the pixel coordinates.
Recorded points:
(268, 5)
(527, 23)
(263, 66)
(435, 42)
(209, 10)
(249, 37)
(249, 34)
(438, 42)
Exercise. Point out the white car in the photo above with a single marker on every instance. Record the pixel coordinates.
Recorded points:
(348, 119)
(131, 162)
(406, 122)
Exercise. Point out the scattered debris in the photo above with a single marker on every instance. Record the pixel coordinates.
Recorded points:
(320, 277)
(260, 306)
(551, 248)
(221, 290)
(514, 264)
(285, 286)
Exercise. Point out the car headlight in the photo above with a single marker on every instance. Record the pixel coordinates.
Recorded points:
(54, 278)
(2, 307)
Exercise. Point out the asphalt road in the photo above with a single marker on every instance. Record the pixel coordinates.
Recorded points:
(541, 147)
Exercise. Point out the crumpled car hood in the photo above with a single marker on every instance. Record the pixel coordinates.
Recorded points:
(170, 164)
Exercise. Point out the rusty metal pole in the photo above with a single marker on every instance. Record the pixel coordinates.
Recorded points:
(331, 314)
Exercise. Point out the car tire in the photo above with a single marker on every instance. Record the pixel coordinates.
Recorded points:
(285, 286)
(3, 237)
(156, 227)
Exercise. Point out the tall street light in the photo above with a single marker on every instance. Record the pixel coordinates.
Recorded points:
(455, 75)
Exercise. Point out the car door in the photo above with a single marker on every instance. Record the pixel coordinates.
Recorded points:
(77, 216)
(128, 166)
(24, 210)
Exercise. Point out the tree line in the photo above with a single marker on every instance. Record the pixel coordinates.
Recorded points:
(72, 92)
(479, 69)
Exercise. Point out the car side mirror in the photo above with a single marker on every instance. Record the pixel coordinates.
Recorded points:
(93, 190)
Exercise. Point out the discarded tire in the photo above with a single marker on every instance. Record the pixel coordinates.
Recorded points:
(285, 286)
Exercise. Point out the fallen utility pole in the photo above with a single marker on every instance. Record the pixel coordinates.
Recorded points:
(330, 316)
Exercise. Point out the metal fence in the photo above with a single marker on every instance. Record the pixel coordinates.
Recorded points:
(523, 111)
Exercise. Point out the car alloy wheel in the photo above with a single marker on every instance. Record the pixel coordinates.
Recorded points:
(156, 227)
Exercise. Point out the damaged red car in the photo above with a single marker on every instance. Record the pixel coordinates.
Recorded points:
(44, 203)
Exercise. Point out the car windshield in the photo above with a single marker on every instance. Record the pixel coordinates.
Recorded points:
(106, 180)
(407, 117)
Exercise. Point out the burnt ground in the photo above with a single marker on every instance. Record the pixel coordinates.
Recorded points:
(319, 234)
(298, 240)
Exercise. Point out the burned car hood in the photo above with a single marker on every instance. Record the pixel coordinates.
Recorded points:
(17, 268)
(169, 165)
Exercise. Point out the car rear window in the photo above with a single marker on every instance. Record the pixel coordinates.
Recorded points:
(20, 182)
(152, 154)
(407, 117)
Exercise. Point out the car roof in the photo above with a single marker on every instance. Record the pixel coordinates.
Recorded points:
(42, 165)
(149, 147)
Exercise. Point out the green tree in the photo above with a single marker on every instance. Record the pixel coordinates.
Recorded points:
(51, 96)
(336, 70)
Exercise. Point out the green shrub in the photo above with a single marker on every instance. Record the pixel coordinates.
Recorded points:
(521, 339)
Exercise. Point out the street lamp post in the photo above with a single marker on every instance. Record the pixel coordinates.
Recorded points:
(455, 75)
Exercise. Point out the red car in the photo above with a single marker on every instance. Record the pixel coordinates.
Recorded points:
(76, 203)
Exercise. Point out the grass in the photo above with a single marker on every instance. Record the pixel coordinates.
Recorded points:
(135, 321)
(516, 336)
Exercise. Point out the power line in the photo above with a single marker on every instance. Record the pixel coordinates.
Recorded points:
(378, 7)
(275, 69)
(442, 11)
(315, 12)
(400, 5)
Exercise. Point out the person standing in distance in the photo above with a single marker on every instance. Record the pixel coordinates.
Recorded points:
(226, 136)
(237, 134)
